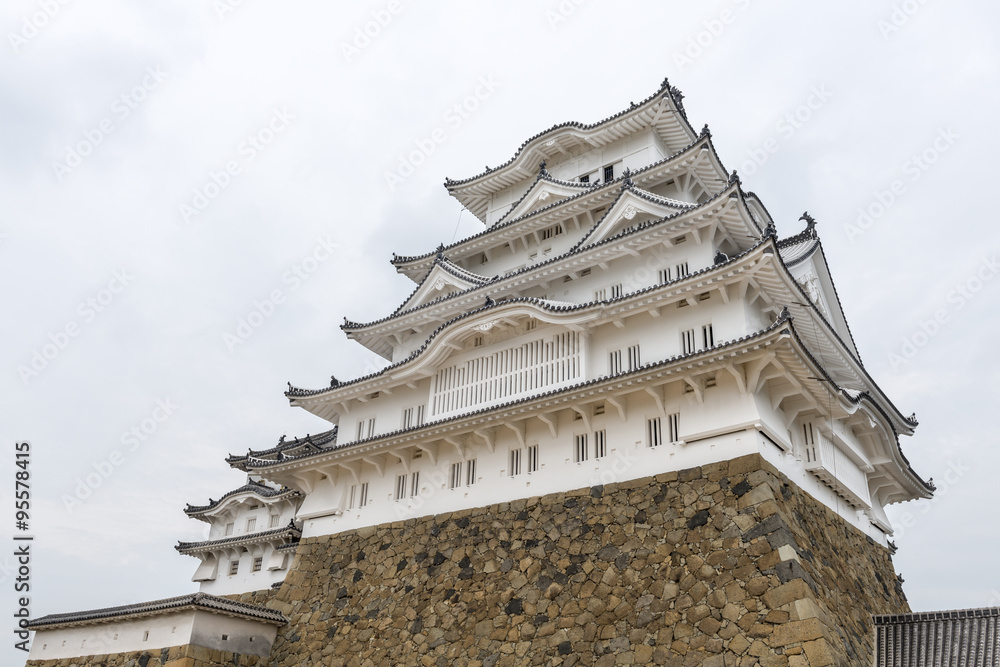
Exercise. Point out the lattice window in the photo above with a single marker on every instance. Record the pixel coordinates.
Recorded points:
(654, 432)
(600, 444)
(470, 472)
(581, 449)
(533, 458)
(688, 341)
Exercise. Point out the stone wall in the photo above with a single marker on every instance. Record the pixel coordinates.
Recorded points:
(175, 656)
(727, 564)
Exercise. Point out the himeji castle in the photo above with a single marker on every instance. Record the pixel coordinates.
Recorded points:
(628, 308)
(625, 421)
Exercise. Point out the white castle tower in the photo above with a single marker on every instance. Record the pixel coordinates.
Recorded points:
(626, 310)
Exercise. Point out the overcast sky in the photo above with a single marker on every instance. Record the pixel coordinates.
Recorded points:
(168, 168)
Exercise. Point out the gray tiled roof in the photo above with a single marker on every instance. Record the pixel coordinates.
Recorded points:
(965, 638)
(194, 601)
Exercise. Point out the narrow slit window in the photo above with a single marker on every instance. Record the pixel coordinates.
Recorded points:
(533, 458)
(364, 495)
(515, 462)
(400, 487)
(580, 450)
(633, 357)
(470, 472)
(455, 480)
(654, 432)
(707, 336)
(687, 341)
(681, 269)
(616, 291)
(615, 362)
(600, 444)
(664, 275)
(414, 484)
(674, 427)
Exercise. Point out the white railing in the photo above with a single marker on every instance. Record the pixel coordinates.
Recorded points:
(507, 374)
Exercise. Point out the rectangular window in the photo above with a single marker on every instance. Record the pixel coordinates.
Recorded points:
(600, 294)
(600, 444)
(581, 450)
(515, 462)
(470, 472)
(274, 521)
(352, 496)
(234, 567)
(674, 427)
(664, 275)
(364, 495)
(654, 432)
(681, 269)
(585, 178)
(230, 527)
(533, 458)
(455, 480)
(258, 562)
(400, 487)
(707, 336)
(687, 341)
(407, 421)
(414, 484)
(609, 173)
(615, 362)
(361, 431)
(616, 291)
(633, 357)
(371, 427)
(251, 524)
(549, 232)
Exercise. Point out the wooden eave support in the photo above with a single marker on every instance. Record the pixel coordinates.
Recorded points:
(519, 431)
(488, 436)
(430, 450)
(697, 386)
(619, 404)
(550, 420)
(405, 457)
(584, 415)
(459, 447)
(657, 394)
(377, 462)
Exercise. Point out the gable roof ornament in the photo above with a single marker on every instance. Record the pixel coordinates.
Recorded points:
(542, 172)
(627, 179)
(810, 224)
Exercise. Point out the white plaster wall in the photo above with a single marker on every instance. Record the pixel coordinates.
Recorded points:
(244, 580)
(114, 637)
(242, 635)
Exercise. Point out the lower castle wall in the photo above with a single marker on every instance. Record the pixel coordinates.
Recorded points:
(726, 564)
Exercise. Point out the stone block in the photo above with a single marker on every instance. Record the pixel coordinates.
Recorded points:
(796, 632)
(789, 592)
(818, 652)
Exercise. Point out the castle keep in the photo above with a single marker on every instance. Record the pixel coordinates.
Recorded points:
(625, 423)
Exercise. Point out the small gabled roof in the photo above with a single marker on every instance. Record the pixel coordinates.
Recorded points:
(194, 601)
(442, 274)
(663, 110)
(251, 488)
(630, 202)
(540, 192)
